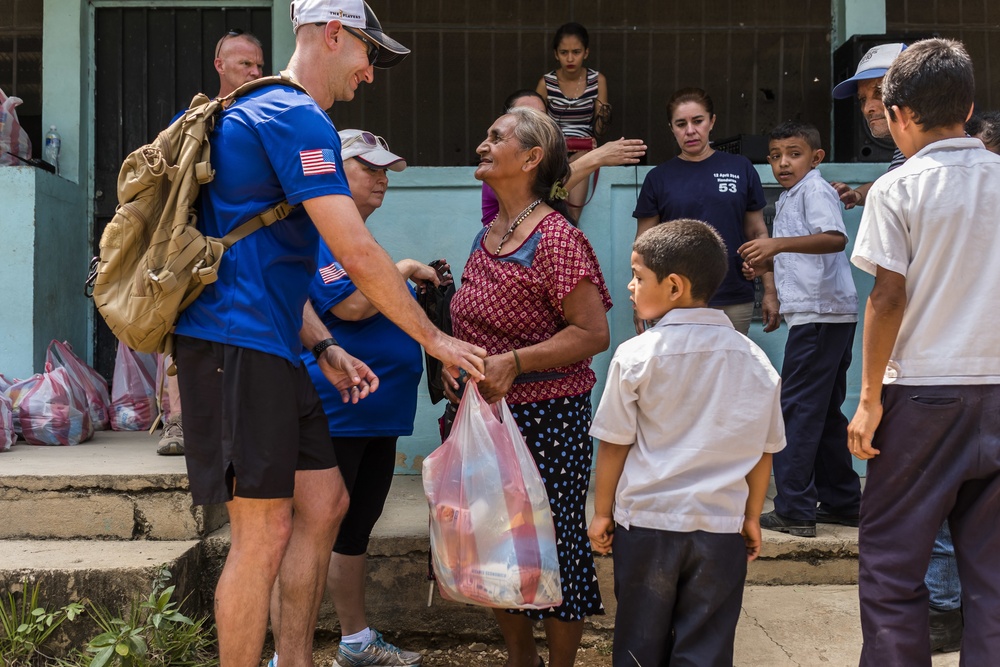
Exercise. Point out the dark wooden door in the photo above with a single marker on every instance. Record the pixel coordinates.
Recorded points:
(150, 62)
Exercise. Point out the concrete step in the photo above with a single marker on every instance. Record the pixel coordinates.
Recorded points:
(397, 591)
(111, 487)
(105, 573)
(116, 488)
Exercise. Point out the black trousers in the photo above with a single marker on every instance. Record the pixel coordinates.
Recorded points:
(679, 597)
(815, 465)
(940, 458)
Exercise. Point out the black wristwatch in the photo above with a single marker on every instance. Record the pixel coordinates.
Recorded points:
(318, 348)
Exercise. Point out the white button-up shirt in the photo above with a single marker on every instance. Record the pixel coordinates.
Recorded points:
(812, 288)
(699, 403)
(934, 220)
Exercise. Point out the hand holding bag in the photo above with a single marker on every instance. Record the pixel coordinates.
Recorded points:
(493, 540)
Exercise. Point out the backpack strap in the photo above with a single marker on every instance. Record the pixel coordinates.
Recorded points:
(279, 211)
(284, 79)
(265, 219)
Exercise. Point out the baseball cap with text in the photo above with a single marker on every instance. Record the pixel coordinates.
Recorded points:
(873, 65)
(354, 14)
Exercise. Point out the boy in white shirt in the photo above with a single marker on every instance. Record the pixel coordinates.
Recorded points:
(687, 424)
(928, 418)
(820, 306)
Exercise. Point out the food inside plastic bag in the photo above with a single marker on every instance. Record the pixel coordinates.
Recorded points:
(493, 540)
(133, 392)
(7, 435)
(53, 411)
(60, 355)
(15, 392)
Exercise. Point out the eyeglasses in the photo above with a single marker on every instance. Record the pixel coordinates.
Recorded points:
(233, 32)
(368, 139)
(369, 44)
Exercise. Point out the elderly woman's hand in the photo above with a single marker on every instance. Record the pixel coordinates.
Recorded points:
(501, 369)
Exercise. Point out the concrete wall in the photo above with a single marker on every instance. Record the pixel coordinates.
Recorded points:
(43, 261)
(44, 219)
(435, 212)
(17, 267)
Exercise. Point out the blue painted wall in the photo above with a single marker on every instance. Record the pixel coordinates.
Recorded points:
(435, 212)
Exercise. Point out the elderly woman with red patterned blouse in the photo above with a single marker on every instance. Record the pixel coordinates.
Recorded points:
(533, 295)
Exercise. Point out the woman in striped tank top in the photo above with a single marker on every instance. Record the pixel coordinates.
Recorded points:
(574, 95)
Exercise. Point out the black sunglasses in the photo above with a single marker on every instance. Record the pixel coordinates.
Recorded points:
(233, 32)
(369, 44)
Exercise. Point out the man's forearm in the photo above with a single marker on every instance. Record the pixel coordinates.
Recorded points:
(369, 266)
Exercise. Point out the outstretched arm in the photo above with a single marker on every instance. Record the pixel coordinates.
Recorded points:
(337, 219)
(612, 154)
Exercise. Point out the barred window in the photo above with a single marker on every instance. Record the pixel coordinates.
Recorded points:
(21, 62)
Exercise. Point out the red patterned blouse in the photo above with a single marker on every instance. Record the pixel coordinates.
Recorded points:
(514, 300)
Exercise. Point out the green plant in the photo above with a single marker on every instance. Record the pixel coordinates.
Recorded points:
(151, 633)
(27, 626)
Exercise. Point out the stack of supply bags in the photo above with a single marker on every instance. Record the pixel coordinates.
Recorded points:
(62, 406)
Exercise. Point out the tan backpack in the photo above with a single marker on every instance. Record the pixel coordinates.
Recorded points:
(153, 261)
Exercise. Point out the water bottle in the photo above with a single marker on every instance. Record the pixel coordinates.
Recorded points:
(53, 142)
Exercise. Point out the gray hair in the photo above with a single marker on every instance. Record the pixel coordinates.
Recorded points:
(535, 129)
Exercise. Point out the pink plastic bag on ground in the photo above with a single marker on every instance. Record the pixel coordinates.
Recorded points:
(60, 355)
(7, 435)
(133, 393)
(15, 392)
(493, 541)
(53, 411)
(13, 138)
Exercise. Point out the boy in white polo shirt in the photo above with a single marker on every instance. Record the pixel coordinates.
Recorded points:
(928, 418)
(687, 424)
(820, 306)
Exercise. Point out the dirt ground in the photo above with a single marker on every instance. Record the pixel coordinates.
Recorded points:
(595, 651)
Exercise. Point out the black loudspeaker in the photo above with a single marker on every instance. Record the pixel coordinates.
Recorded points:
(852, 141)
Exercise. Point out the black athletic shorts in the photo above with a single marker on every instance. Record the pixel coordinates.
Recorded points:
(250, 419)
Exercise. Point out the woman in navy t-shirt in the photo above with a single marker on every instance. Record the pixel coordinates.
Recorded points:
(719, 188)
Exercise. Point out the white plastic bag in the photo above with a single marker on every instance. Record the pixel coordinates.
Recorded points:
(493, 541)
(133, 394)
(7, 435)
(13, 138)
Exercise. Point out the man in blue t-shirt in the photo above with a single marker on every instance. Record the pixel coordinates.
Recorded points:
(255, 433)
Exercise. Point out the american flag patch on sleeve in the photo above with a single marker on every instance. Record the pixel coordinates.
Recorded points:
(318, 161)
(332, 272)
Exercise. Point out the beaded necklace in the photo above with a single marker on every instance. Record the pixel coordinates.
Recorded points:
(517, 221)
